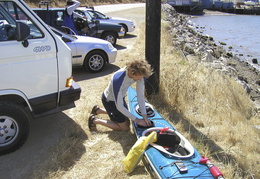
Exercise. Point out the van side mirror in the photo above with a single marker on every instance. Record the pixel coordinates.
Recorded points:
(22, 32)
(65, 39)
(96, 21)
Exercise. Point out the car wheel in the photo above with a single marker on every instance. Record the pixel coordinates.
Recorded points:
(110, 37)
(14, 127)
(125, 29)
(95, 61)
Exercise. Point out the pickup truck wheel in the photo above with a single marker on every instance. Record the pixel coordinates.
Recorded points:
(125, 29)
(95, 61)
(110, 37)
(14, 127)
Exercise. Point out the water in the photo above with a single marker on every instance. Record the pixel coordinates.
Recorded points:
(241, 32)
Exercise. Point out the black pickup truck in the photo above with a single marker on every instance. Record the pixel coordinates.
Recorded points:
(107, 31)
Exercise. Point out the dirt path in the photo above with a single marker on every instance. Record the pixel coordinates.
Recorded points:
(47, 131)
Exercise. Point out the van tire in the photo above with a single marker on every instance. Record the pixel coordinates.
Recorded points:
(95, 61)
(14, 121)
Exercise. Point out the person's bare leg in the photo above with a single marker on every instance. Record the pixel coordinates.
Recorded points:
(101, 111)
(125, 126)
(98, 110)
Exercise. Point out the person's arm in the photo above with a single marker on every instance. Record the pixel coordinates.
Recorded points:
(140, 96)
(120, 107)
(141, 100)
(72, 7)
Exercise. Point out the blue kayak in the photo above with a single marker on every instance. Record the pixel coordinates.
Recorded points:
(171, 156)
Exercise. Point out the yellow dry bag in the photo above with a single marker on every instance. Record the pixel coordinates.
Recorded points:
(136, 152)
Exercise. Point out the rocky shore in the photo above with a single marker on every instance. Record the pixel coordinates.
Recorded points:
(204, 49)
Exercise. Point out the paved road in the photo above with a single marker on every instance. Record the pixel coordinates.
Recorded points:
(117, 7)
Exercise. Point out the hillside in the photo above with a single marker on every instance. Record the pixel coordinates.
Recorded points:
(61, 3)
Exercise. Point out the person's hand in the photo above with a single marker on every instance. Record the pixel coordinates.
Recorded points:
(148, 122)
(143, 122)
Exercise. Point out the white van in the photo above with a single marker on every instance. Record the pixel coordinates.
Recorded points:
(35, 70)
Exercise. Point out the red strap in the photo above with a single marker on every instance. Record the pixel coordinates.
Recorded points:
(164, 129)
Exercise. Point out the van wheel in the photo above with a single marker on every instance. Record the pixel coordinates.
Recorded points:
(14, 127)
(95, 61)
(110, 37)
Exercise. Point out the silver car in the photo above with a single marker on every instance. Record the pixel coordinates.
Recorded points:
(89, 52)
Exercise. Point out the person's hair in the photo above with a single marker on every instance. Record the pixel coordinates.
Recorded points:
(70, 3)
(139, 67)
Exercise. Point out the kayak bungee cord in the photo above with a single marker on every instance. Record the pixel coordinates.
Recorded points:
(175, 173)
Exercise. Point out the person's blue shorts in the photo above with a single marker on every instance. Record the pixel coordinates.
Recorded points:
(112, 111)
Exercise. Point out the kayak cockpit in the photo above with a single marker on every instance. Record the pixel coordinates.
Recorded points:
(171, 142)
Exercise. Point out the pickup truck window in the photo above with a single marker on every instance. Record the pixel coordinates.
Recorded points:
(89, 18)
(9, 13)
(47, 16)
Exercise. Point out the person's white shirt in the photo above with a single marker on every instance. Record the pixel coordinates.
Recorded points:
(71, 9)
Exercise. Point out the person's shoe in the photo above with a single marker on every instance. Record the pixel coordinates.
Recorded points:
(91, 124)
(95, 109)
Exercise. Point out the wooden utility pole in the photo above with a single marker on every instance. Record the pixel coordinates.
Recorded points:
(152, 43)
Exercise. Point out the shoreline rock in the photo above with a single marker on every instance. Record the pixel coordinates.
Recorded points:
(194, 45)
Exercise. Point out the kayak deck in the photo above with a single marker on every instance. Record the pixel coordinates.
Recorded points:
(162, 163)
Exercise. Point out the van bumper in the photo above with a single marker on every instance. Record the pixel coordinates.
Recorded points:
(70, 95)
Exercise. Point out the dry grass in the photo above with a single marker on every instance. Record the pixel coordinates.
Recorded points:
(92, 155)
(207, 107)
(213, 109)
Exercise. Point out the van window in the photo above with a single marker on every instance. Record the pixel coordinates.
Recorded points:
(9, 13)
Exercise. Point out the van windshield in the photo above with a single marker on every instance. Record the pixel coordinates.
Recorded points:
(9, 13)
